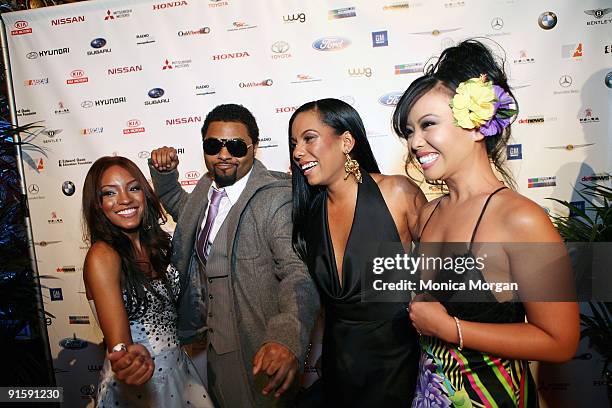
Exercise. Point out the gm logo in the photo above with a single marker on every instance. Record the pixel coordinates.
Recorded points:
(331, 43)
(156, 93)
(390, 99)
(56, 294)
(514, 152)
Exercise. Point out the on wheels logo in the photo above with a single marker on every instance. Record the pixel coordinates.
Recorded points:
(21, 28)
(77, 77)
(133, 126)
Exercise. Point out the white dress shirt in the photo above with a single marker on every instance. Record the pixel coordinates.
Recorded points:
(232, 192)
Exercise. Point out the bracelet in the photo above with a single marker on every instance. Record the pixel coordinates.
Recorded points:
(460, 334)
(119, 347)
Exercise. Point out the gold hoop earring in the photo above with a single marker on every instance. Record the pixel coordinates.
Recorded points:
(351, 166)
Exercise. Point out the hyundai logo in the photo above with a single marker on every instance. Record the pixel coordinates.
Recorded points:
(156, 93)
(547, 20)
(87, 104)
(32, 55)
(98, 43)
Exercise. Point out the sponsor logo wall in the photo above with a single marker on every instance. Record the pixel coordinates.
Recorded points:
(106, 78)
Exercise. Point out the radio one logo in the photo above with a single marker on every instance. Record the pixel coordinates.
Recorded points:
(331, 43)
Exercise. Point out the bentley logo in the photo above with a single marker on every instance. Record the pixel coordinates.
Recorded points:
(598, 13)
(45, 243)
(436, 32)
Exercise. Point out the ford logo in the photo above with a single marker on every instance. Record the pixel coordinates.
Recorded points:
(98, 43)
(156, 93)
(73, 343)
(331, 43)
(32, 55)
(390, 99)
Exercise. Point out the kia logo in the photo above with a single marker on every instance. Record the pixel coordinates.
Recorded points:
(32, 55)
(133, 123)
(156, 93)
(98, 43)
(192, 175)
(86, 104)
(77, 73)
(280, 47)
(21, 24)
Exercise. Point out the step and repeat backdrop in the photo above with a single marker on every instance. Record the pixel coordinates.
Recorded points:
(112, 77)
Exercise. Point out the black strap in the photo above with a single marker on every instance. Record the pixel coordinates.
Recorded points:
(482, 213)
(430, 215)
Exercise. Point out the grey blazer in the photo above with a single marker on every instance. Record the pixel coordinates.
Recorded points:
(274, 296)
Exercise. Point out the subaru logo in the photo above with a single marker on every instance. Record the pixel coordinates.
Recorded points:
(86, 104)
(390, 99)
(280, 47)
(156, 93)
(32, 55)
(331, 43)
(68, 188)
(98, 43)
(547, 20)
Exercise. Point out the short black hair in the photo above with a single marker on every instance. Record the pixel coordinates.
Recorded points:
(232, 112)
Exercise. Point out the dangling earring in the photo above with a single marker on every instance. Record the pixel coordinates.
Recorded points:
(352, 167)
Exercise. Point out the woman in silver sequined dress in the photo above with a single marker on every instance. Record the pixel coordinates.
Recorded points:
(132, 290)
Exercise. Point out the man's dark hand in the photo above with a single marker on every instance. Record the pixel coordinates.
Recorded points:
(134, 366)
(279, 363)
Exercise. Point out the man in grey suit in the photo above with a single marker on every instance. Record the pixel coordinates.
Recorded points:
(244, 291)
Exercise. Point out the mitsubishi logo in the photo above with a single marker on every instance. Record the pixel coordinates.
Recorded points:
(167, 65)
(565, 81)
(497, 23)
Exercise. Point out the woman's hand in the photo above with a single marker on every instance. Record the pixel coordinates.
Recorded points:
(430, 318)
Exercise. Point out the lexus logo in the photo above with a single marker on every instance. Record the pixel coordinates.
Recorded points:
(280, 47)
(565, 81)
(33, 189)
(497, 23)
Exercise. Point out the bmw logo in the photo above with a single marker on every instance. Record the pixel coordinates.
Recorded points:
(547, 20)
(32, 55)
(609, 80)
(98, 43)
(156, 93)
(68, 188)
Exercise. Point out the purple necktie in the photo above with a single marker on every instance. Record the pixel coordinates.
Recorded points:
(213, 209)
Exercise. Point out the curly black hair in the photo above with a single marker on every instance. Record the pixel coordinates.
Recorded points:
(232, 112)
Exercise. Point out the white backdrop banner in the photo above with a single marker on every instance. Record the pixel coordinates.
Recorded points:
(114, 77)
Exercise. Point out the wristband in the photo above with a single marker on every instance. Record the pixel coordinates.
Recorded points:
(119, 347)
(460, 334)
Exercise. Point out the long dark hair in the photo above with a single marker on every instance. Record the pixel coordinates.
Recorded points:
(468, 59)
(342, 117)
(152, 238)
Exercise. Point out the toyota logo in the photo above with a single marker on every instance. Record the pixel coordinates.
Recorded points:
(565, 81)
(497, 23)
(280, 47)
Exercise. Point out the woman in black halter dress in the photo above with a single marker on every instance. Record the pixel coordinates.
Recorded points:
(370, 351)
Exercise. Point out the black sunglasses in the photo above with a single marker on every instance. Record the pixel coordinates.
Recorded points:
(235, 147)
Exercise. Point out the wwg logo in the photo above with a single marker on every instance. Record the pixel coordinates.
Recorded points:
(295, 18)
(367, 72)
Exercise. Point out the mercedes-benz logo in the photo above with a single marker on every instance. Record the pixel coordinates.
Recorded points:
(497, 23)
(33, 189)
(280, 47)
(565, 81)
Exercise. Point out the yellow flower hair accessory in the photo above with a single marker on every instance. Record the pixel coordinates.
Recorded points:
(478, 104)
